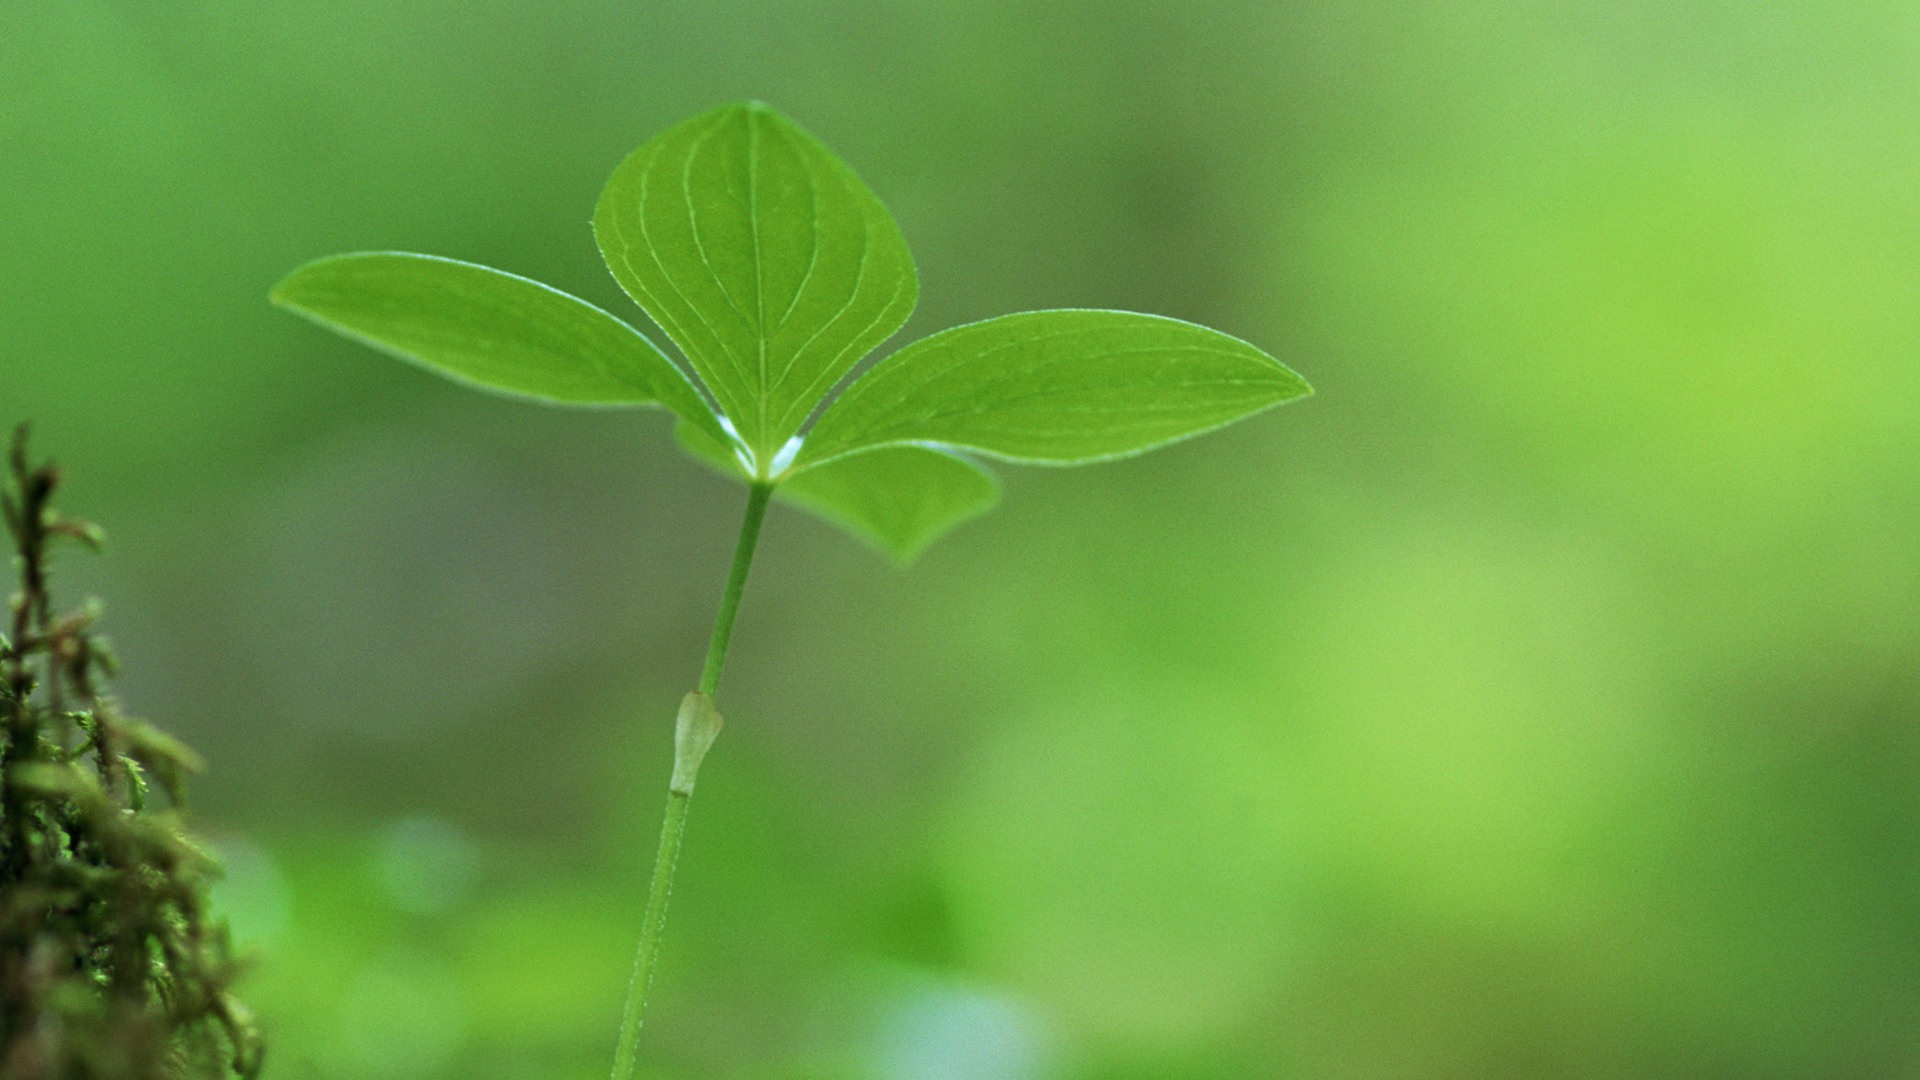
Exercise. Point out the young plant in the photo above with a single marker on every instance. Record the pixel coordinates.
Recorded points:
(775, 271)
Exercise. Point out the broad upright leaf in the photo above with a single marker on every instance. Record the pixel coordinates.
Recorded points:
(490, 329)
(1055, 387)
(762, 256)
(897, 498)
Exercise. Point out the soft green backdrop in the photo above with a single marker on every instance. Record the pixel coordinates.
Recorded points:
(1540, 700)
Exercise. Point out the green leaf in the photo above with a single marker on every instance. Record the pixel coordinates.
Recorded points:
(897, 498)
(491, 330)
(762, 256)
(1055, 387)
(723, 455)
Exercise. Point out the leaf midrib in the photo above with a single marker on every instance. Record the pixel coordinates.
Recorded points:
(681, 337)
(760, 331)
(958, 364)
(700, 244)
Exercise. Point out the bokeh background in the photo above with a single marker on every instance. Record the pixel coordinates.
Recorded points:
(1540, 699)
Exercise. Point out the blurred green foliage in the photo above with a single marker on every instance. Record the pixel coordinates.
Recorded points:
(1539, 700)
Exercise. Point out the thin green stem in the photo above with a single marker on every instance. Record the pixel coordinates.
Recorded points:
(736, 584)
(675, 826)
(680, 796)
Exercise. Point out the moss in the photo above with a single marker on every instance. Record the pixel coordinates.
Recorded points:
(111, 965)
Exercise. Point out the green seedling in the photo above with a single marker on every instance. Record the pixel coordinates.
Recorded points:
(775, 271)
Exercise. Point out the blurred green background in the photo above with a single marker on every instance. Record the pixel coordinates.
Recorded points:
(1540, 699)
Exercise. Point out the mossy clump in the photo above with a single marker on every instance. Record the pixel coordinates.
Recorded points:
(111, 966)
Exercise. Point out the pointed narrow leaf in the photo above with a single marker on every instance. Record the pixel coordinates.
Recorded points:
(490, 329)
(1055, 387)
(762, 256)
(897, 498)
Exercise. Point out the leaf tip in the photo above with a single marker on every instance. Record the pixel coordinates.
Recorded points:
(277, 295)
(284, 292)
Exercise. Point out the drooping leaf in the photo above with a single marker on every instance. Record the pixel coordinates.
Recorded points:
(712, 450)
(1055, 387)
(762, 256)
(490, 329)
(897, 498)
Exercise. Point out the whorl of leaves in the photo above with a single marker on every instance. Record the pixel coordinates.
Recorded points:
(111, 967)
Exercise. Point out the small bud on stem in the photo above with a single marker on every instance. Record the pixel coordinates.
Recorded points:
(693, 736)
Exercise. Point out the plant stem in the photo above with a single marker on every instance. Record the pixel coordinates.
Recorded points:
(736, 584)
(679, 797)
(626, 1053)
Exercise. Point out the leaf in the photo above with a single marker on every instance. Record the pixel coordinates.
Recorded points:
(1055, 387)
(490, 329)
(762, 256)
(898, 498)
(718, 453)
